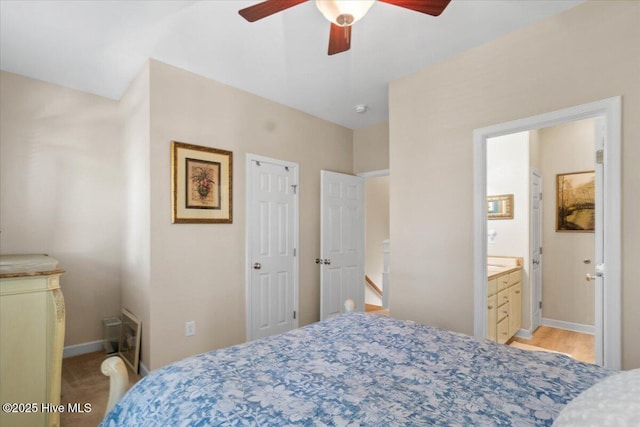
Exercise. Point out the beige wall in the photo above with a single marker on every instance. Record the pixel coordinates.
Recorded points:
(198, 270)
(566, 296)
(61, 192)
(136, 242)
(534, 149)
(556, 63)
(371, 148)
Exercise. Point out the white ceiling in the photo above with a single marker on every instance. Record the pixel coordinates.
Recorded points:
(100, 46)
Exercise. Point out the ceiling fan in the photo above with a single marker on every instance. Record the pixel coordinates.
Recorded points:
(341, 13)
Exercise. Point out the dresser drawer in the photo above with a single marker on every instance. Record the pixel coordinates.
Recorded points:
(492, 286)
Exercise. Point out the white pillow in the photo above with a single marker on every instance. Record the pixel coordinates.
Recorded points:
(614, 401)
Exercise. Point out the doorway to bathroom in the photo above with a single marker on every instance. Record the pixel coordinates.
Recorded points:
(536, 170)
(606, 299)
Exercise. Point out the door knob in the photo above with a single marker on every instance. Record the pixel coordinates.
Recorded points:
(257, 266)
(535, 261)
(589, 277)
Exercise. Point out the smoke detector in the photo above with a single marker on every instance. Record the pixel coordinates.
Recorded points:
(360, 108)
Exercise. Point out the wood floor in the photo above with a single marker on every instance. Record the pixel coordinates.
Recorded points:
(578, 345)
(375, 309)
(82, 382)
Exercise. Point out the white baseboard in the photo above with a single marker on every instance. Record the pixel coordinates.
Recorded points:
(91, 347)
(78, 349)
(524, 334)
(569, 326)
(144, 371)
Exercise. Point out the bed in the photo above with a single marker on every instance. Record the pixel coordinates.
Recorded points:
(359, 369)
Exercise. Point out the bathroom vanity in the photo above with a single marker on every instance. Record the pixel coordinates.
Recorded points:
(504, 299)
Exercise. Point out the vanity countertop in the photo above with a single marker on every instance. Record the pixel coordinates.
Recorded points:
(501, 265)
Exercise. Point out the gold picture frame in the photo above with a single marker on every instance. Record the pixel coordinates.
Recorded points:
(500, 206)
(129, 344)
(576, 202)
(201, 184)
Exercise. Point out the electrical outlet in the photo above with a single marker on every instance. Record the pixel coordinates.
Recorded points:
(190, 328)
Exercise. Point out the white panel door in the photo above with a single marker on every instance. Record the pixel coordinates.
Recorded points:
(342, 242)
(272, 236)
(598, 277)
(536, 250)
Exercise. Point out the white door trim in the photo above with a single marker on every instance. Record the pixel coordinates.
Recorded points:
(535, 288)
(611, 109)
(248, 262)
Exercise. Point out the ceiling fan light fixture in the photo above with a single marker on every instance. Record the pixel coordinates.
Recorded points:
(344, 12)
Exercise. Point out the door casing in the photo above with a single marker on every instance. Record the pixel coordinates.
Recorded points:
(536, 244)
(611, 110)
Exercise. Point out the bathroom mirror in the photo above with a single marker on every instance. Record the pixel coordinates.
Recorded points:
(500, 207)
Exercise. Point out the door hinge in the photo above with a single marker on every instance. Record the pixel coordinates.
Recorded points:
(294, 314)
(295, 252)
(600, 270)
(600, 156)
(540, 304)
(540, 250)
(295, 188)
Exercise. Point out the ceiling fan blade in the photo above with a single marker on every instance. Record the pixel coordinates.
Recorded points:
(430, 7)
(339, 39)
(266, 8)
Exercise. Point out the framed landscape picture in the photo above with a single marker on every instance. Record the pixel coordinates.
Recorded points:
(201, 184)
(575, 201)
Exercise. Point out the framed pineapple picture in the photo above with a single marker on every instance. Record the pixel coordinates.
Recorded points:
(201, 184)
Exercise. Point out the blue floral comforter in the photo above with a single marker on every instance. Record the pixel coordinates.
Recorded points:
(358, 370)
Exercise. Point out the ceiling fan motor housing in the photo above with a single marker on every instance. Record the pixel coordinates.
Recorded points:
(344, 12)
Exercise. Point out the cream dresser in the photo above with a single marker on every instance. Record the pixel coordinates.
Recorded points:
(32, 316)
(504, 298)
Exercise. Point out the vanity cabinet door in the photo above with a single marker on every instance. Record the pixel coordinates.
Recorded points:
(515, 277)
(503, 330)
(503, 298)
(492, 317)
(515, 308)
